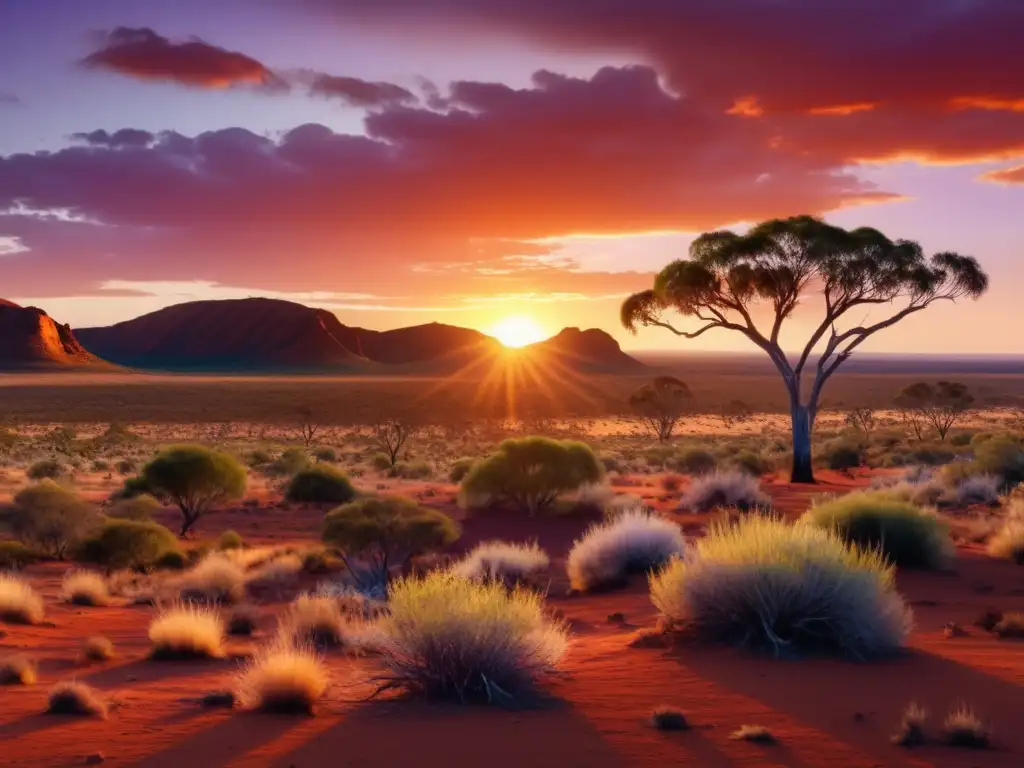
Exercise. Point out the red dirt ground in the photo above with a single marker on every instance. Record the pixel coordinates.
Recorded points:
(824, 713)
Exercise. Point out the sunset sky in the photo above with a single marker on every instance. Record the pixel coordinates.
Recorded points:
(468, 161)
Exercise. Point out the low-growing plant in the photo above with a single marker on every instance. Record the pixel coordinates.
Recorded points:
(696, 461)
(97, 648)
(842, 455)
(669, 719)
(502, 561)
(634, 542)
(74, 698)
(84, 588)
(321, 484)
(186, 631)
(412, 470)
(906, 534)
(789, 588)
(325, 455)
(18, 670)
(1001, 456)
(196, 479)
(230, 540)
(47, 469)
(755, 733)
(448, 636)
(381, 462)
(19, 603)
(282, 678)
(129, 544)
(242, 620)
(215, 579)
(750, 462)
(973, 490)
(1010, 626)
(963, 728)
(531, 473)
(50, 518)
(1008, 542)
(140, 508)
(911, 731)
(460, 468)
(317, 622)
(386, 531)
(735, 489)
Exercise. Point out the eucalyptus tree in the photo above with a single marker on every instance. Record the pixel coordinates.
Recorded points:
(730, 281)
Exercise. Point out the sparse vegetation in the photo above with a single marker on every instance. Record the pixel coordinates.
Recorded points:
(84, 588)
(215, 579)
(282, 678)
(669, 719)
(660, 405)
(1010, 626)
(50, 518)
(911, 731)
(74, 698)
(634, 542)
(530, 473)
(14, 556)
(789, 588)
(321, 484)
(196, 479)
(755, 733)
(186, 631)
(140, 508)
(963, 728)
(19, 603)
(120, 544)
(18, 670)
(47, 469)
(506, 562)
(97, 648)
(230, 540)
(908, 535)
(735, 489)
(316, 622)
(448, 636)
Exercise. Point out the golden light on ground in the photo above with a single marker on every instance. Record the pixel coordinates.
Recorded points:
(517, 331)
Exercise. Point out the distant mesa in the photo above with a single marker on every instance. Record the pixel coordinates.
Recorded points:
(275, 336)
(31, 340)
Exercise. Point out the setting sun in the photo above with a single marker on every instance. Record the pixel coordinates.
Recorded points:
(517, 331)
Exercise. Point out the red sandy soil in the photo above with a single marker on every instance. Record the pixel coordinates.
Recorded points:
(825, 713)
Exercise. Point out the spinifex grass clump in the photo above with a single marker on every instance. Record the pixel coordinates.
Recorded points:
(19, 603)
(475, 641)
(907, 534)
(733, 489)
(186, 632)
(507, 562)
(85, 588)
(282, 678)
(788, 588)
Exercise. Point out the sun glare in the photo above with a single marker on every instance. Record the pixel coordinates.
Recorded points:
(517, 331)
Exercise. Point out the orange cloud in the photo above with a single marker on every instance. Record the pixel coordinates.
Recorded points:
(1005, 175)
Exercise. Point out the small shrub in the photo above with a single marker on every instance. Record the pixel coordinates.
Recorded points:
(908, 535)
(316, 622)
(19, 603)
(196, 479)
(1011, 625)
(448, 636)
(931, 455)
(173, 560)
(460, 468)
(751, 463)
(125, 467)
(387, 530)
(100, 466)
(321, 484)
(48, 469)
(911, 732)
(290, 462)
(790, 588)
(129, 544)
(634, 542)
(73, 698)
(962, 728)
(97, 648)
(186, 632)
(215, 579)
(1008, 542)
(530, 473)
(230, 540)
(842, 456)
(669, 719)
(50, 518)
(696, 461)
(325, 455)
(14, 556)
(1001, 456)
(755, 733)
(724, 489)
(140, 508)
(258, 458)
(503, 561)
(282, 678)
(592, 497)
(84, 588)
(381, 462)
(977, 489)
(18, 670)
(279, 571)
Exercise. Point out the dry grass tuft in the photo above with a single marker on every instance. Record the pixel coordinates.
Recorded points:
(755, 733)
(318, 621)
(503, 561)
(282, 678)
(18, 670)
(97, 648)
(1008, 543)
(242, 621)
(911, 732)
(1010, 626)
(669, 719)
(215, 579)
(963, 728)
(73, 698)
(19, 603)
(85, 588)
(186, 632)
